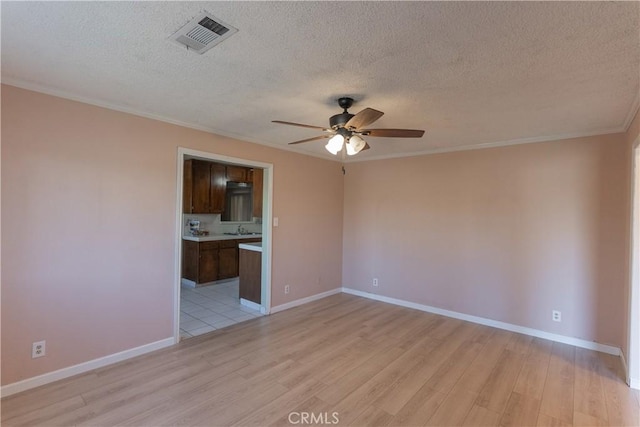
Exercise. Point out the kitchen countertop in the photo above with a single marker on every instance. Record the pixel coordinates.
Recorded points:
(257, 246)
(211, 237)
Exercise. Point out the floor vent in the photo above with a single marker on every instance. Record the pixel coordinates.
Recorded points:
(202, 33)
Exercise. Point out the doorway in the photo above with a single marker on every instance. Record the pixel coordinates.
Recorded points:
(226, 289)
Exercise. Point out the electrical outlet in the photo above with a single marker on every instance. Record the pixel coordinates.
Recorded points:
(556, 316)
(38, 349)
(375, 281)
(287, 289)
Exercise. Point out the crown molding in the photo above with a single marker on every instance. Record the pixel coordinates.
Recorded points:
(635, 106)
(519, 141)
(34, 87)
(128, 110)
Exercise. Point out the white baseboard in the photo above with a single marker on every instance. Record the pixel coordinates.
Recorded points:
(250, 304)
(625, 368)
(603, 348)
(631, 382)
(188, 283)
(50, 377)
(301, 301)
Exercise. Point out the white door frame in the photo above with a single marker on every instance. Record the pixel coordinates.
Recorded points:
(267, 213)
(633, 362)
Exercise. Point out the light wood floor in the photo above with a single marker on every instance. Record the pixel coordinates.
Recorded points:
(369, 362)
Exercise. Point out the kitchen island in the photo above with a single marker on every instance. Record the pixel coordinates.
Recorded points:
(250, 265)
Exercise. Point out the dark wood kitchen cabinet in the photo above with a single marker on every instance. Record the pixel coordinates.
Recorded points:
(190, 257)
(228, 259)
(218, 187)
(204, 262)
(257, 178)
(196, 187)
(237, 174)
(200, 261)
(250, 275)
(204, 185)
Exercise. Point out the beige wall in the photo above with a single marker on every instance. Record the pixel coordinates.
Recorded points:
(507, 233)
(88, 223)
(88, 218)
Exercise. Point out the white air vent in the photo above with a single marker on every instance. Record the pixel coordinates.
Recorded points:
(202, 33)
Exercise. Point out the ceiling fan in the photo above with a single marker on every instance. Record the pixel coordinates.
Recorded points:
(346, 129)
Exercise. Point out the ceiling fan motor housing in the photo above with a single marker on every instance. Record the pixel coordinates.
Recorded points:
(339, 120)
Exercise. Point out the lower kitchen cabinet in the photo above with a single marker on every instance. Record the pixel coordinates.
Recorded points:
(200, 261)
(204, 262)
(228, 259)
(208, 269)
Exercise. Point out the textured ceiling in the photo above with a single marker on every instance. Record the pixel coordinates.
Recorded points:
(469, 73)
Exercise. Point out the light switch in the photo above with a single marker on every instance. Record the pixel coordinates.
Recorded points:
(275, 221)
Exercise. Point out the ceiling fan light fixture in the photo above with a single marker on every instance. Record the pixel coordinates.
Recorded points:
(335, 144)
(348, 128)
(355, 145)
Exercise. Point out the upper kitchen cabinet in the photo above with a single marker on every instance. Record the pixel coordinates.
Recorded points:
(195, 195)
(218, 187)
(237, 174)
(257, 178)
(204, 187)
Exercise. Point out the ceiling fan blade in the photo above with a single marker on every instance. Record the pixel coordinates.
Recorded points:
(311, 139)
(363, 118)
(393, 133)
(300, 125)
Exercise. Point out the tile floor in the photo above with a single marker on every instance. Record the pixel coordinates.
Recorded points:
(211, 307)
